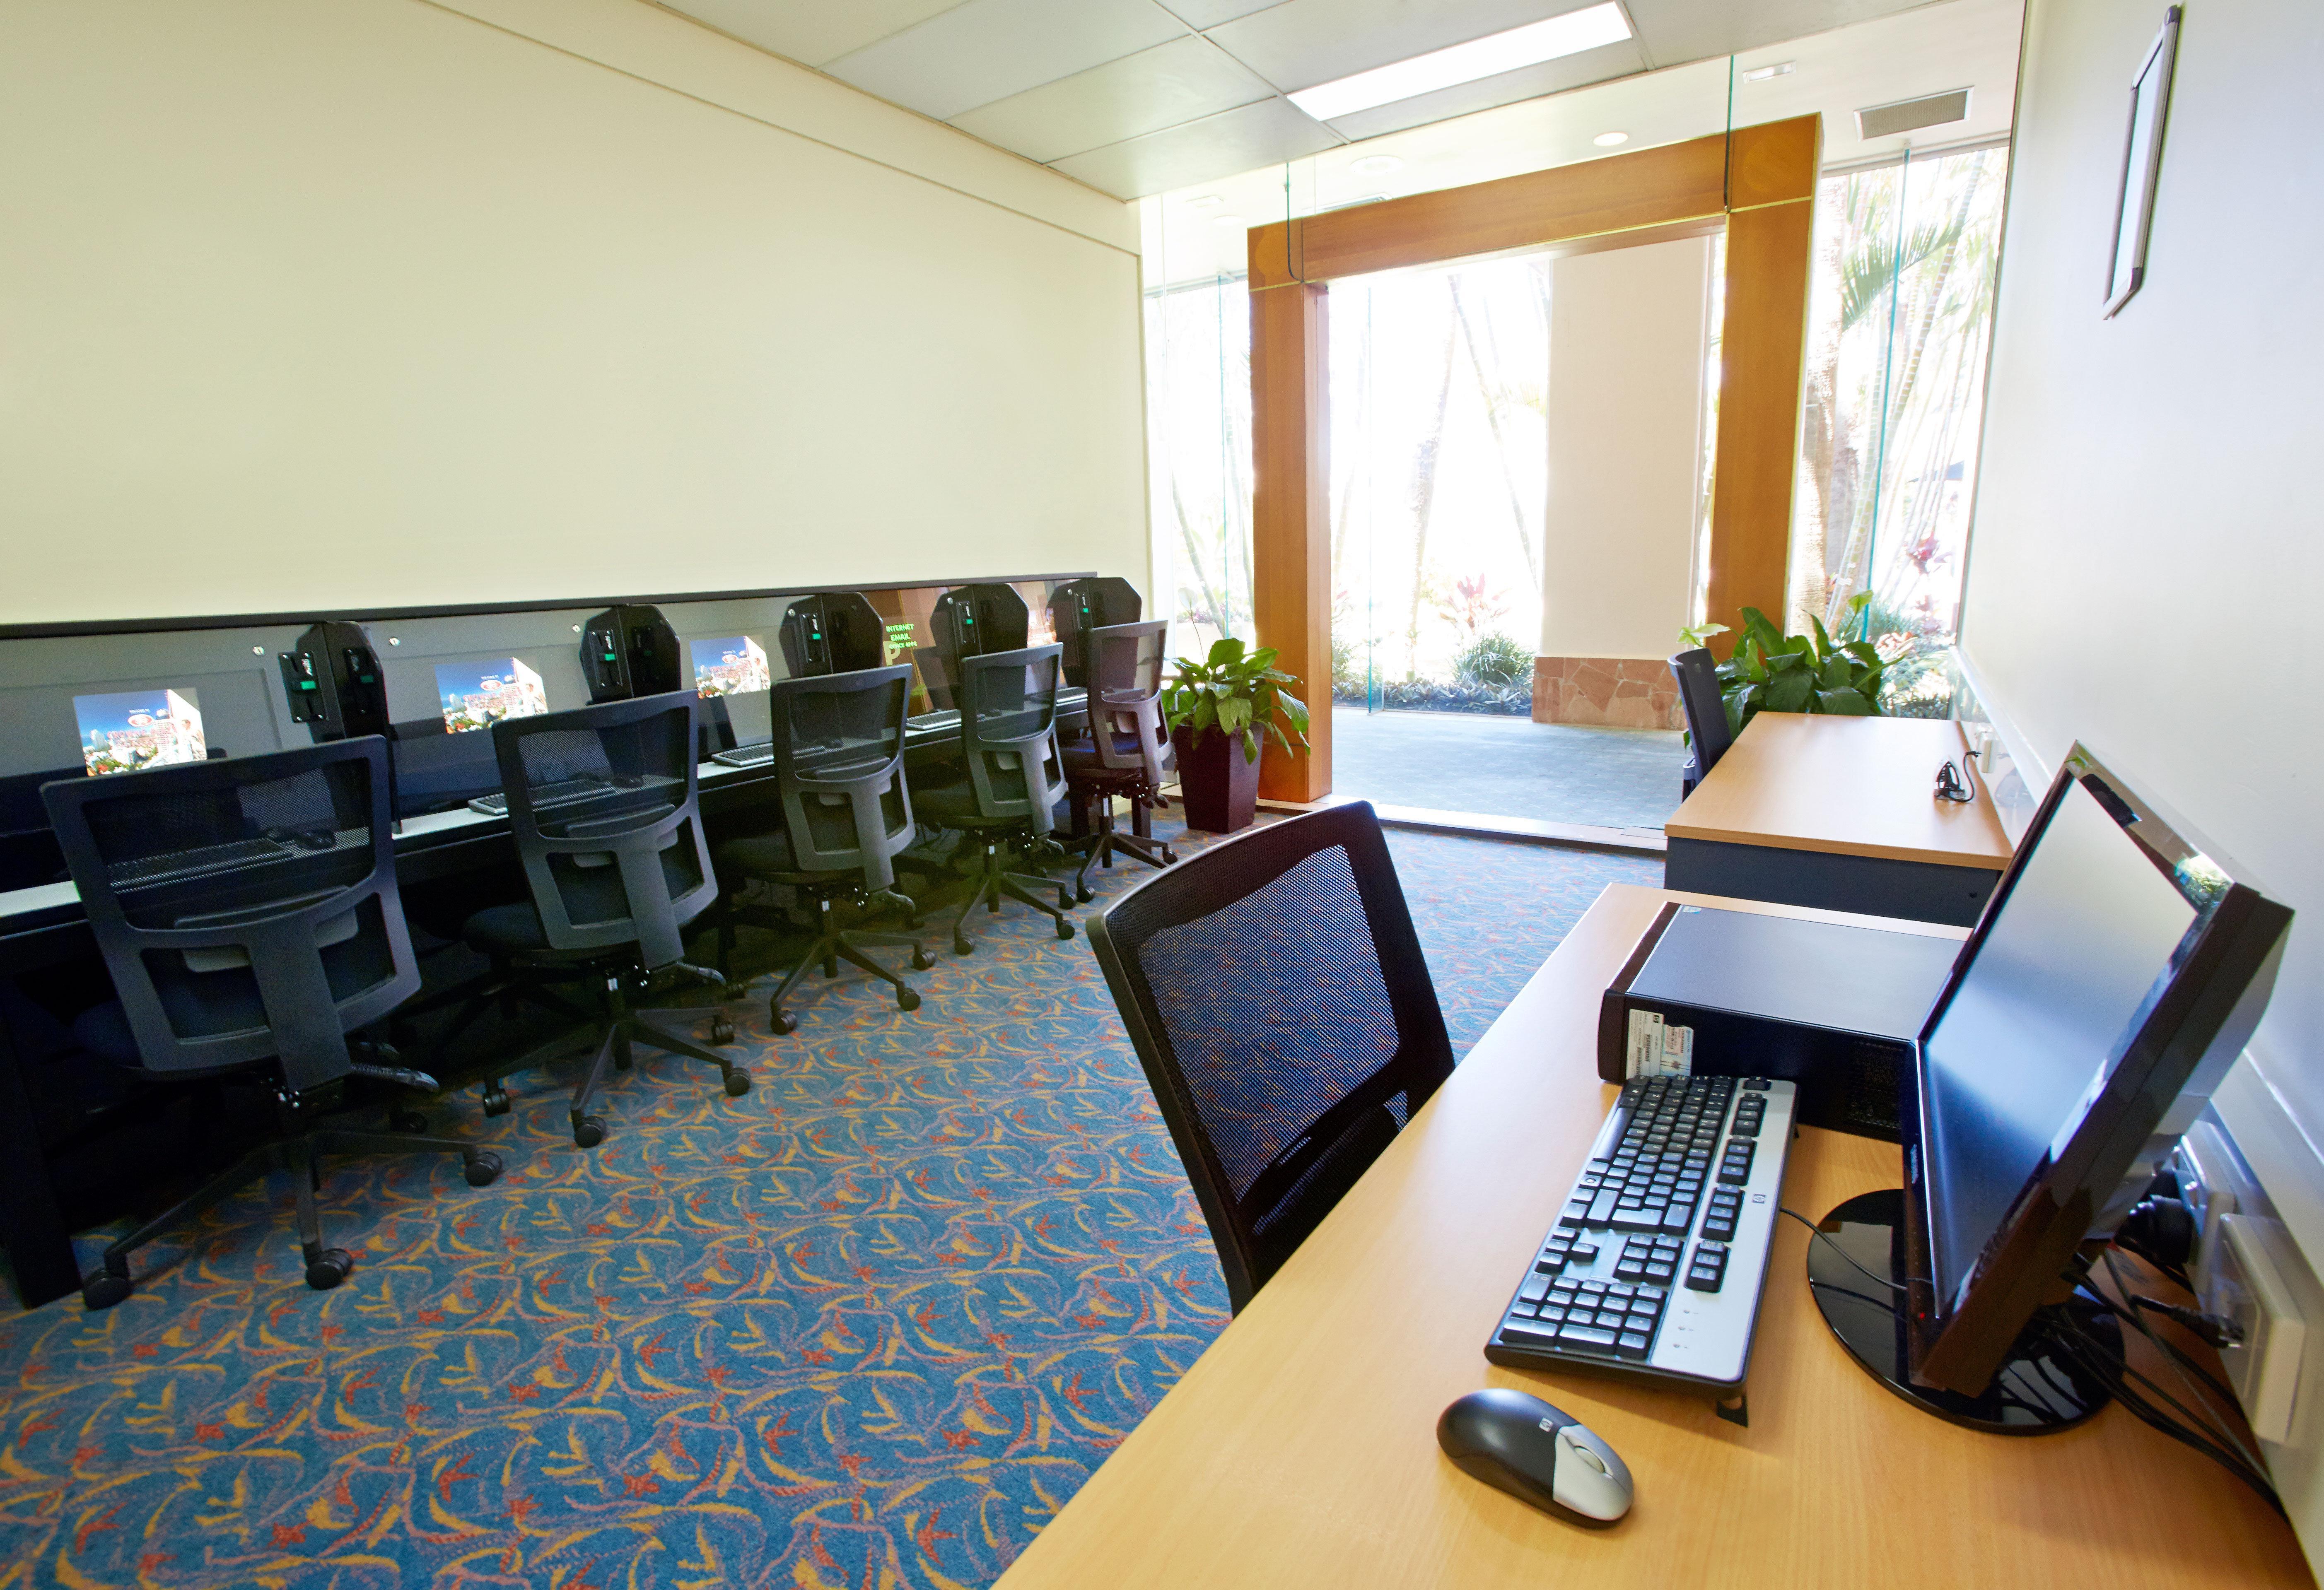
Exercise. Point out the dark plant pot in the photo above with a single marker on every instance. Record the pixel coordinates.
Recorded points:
(1221, 789)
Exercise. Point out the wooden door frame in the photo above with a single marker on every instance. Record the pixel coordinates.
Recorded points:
(1757, 183)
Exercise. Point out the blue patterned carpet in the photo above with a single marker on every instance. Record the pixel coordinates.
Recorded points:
(868, 1326)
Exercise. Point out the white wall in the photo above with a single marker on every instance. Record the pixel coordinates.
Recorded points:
(384, 301)
(2144, 568)
(1626, 368)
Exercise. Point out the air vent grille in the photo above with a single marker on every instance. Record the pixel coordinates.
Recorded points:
(1907, 115)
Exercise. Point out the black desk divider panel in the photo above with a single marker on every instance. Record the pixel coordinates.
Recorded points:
(232, 669)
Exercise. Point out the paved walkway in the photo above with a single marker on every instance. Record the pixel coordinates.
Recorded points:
(1507, 767)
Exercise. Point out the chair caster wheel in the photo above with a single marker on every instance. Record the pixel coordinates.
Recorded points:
(331, 1266)
(588, 1131)
(721, 1030)
(907, 999)
(1084, 895)
(732, 993)
(496, 1101)
(962, 947)
(738, 1083)
(484, 1170)
(407, 1120)
(103, 1288)
(779, 1022)
(1169, 857)
(1064, 929)
(920, 961)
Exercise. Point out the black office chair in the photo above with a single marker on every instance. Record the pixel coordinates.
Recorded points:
(1013, 781)
(1279, 1001)
(1125, 751)
(1697, 673)
(839, 775)
(602, 805)
(247, 911)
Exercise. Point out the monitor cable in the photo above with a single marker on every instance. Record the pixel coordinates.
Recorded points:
(1826, 1237)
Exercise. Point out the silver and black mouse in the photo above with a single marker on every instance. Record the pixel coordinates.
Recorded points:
(1520, 1444)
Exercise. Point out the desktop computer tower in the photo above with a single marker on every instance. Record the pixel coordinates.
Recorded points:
(1832, 1008)
(332, 679)
(628, 651)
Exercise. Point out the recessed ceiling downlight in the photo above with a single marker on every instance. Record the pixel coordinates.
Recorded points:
(1375, 165)
(1609, 140)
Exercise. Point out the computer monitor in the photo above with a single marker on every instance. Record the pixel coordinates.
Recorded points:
(833, 632)
(1079, 606)
(123, 731)
(2118, 970)
(976, 621)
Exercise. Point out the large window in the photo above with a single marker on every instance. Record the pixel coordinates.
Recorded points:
(1198, 414)
(1439, 479)
(1898, 332)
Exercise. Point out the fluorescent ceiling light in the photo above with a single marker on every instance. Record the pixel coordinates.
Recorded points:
(1760, 74)
(1608, 140)
(1375, 164)
(1204, 201)
(1489, 56)
(1229, 221)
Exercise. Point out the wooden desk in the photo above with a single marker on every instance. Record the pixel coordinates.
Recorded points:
(1841, 813)
(1301, 1450)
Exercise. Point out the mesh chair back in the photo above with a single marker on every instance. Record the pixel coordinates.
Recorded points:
(246, 908)
(1706, 715)
(839, 764)
(1009, 732)
(1125, 698)
(1279, 1003)
(601, 806)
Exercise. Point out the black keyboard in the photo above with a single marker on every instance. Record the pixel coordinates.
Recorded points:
(1654, 1266)
(171, 865)
(746, 756)
(932, 720)
(495, 804)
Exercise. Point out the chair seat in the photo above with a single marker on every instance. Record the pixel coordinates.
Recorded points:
(513, 929)
(954, 806)
(769, 856)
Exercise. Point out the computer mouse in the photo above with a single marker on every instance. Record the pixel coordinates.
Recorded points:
(1518, 1443)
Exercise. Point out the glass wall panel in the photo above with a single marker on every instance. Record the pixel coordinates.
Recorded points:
(1899, 329)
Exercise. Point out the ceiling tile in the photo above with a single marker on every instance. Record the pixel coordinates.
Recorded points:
(1302, 42)
(1210, 13)
(1551, 77)
(1675, 31)
(1270, 131)
(810, 31)
(989, 49)
(1180, 81)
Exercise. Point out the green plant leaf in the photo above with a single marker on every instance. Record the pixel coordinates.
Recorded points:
(1846, 703)
(1789, 691)
(1838, 673)
(1785, 662)
(1234, 713)
(1227, 649)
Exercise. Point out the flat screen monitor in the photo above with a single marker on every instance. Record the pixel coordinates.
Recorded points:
(729, 665)
(128, 730)
(477, 696)
(2115, 975)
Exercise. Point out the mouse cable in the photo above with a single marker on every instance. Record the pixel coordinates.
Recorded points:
(1827, 1239)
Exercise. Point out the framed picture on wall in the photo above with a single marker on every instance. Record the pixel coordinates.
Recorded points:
(2142, 154)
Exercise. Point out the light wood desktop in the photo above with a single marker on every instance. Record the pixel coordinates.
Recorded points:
(1841, 813)
(1301, 1450)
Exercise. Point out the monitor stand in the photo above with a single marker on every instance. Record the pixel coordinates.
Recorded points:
(2040, 1388)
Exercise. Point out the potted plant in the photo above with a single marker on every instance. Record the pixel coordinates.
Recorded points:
(1218, 710)
(1779, 672)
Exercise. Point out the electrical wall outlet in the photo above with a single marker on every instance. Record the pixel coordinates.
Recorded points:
(2243, 1285)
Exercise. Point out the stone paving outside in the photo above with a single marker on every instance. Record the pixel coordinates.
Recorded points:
(1507, 767)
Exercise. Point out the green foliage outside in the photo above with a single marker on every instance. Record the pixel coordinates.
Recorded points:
(1236, 692)
(1493, 659)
